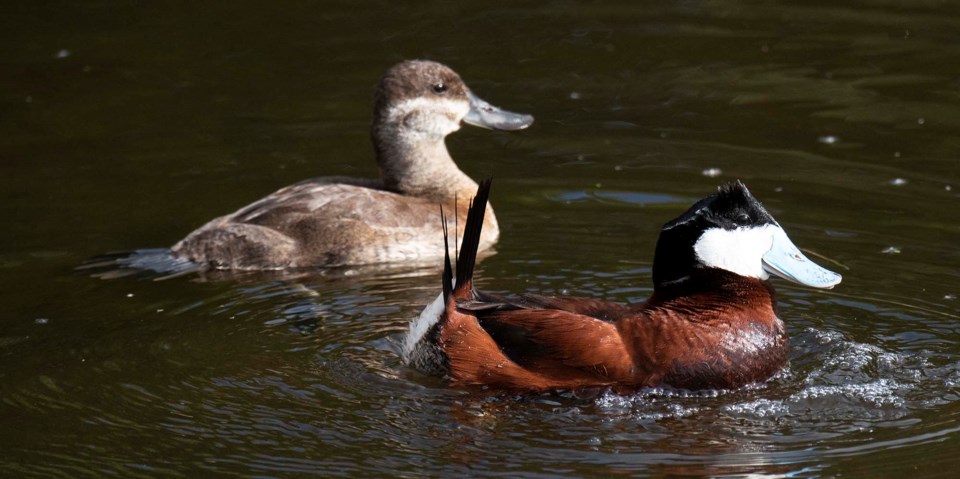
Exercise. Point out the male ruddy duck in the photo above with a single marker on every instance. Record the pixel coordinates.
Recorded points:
(335, 221)
(711, 322)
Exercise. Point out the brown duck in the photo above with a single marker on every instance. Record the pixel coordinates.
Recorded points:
(337, 221)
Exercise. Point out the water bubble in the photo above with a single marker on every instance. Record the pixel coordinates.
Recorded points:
(759, 408)
(826, 337)
(879, 393)
(921, 121)
(712, 172)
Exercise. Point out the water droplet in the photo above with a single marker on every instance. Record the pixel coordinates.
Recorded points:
(950, 297)
(898, 181)
(896, 154)
(828, 139)
(712, 172)
(891, 250)
(948, 188)
(574, 95)
(63, 53)
(921, 121)
(129, 295)
(778, 189)
(41, 320)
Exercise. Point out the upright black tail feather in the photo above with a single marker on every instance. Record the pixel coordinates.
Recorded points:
(447, 277)
(467, 257)
(471, 236)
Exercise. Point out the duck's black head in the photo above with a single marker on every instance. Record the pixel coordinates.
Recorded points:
(732, 231)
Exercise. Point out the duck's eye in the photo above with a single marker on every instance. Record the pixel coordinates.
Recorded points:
(743, 219)
(439, 88)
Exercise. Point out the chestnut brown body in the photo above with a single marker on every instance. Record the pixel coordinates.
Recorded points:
(725, 334)
(711, 322)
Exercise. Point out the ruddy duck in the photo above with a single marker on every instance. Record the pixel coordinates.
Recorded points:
(335, 221)
(711, 322)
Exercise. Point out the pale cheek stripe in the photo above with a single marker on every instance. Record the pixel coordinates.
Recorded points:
(438, 106)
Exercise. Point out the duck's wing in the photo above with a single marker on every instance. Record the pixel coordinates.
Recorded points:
(561, 346)
(320, 222)
(337, 199)
(596, 308)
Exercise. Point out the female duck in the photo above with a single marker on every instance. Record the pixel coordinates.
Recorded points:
(336, 221)
(711, 322)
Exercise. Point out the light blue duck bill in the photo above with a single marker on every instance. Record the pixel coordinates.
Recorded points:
(786, 261)
(485, 115)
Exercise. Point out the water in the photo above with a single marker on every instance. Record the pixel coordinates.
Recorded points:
(125, 126)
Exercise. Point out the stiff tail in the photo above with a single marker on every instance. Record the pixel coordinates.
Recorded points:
(467, 256)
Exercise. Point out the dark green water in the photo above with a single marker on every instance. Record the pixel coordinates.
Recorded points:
(126, 125)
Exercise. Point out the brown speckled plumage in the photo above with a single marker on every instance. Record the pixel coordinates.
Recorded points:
(336, 221)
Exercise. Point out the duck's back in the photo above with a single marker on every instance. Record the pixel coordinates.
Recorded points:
(321, 222)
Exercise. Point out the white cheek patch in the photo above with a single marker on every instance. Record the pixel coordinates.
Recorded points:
(436, 116)
(739, 251)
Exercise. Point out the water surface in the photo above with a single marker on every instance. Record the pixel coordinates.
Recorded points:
(125, 126)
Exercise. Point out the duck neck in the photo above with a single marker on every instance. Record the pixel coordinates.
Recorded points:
(417, 164)
(712, 285)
